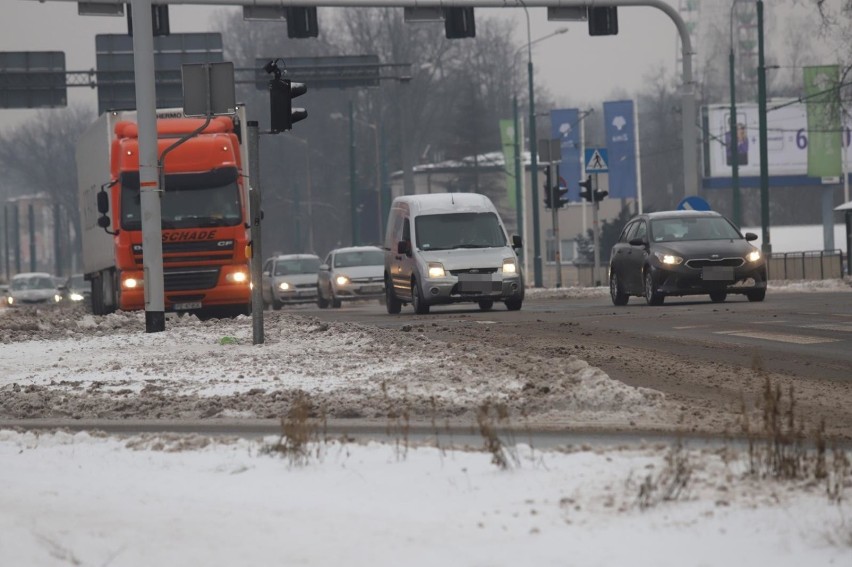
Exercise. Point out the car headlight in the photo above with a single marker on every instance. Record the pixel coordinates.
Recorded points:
(668, 259)
(57, 298)
(283, 286)
(10, 300)
(341, 280)
(236, 277)
(509, 266)
(754, 255)
(436, 270)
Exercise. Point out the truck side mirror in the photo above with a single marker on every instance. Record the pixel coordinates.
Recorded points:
(103, 221)
(517, 242)
(103, 203)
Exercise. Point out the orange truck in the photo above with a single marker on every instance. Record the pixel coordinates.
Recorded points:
(204, 211)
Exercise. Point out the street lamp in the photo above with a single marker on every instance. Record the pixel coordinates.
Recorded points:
(733, 138)
(310, 189)
(352, 173)
(537, 279)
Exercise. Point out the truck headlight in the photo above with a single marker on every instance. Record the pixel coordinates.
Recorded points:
(509, 266)
(341, 280)
(436, 270)
(753, 256)
(131, 283)
(236, 277)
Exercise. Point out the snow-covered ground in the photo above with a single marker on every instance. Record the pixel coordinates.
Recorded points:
(94, 499)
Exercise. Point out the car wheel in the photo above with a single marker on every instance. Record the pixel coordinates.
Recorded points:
(756, 295)
(277, 305)
(615, 292)
(652, 297)
(322, 302)
(718, 296)
(417, 301)
(335, 301)
(393, 305)
(485, 304)
(514, 303)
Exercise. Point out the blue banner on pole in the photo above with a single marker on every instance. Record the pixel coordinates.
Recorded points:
(565, 126)
(621, 147)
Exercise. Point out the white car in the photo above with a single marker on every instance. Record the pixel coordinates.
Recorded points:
(33, 288)
(350, 273)
(290, 279)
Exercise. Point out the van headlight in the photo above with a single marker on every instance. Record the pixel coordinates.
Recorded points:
(76, 296)
(509, 266)
(436, 270)
(753, 256)
(283, 286)
(341, 280)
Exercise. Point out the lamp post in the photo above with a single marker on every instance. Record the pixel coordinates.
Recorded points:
(537, 279)
(764, 150)
(310, 190)
(352, 170)
(733, 139)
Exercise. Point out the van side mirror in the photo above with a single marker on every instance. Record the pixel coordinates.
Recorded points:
(323, 267)
(517, 242)
(637, 242)
(403, 247)
(750, 236)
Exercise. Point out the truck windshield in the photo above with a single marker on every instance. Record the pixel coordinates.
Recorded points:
(458, 230)
(190, 200)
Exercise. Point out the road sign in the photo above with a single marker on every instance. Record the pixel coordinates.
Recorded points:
(693, 203)
(338, 71)
(32, 79)
(596, 160)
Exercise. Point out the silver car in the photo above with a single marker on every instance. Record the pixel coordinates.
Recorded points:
(290, 279)
(351, 273)
(33, 288)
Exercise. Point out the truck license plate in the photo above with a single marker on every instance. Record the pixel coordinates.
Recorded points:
(187, 306)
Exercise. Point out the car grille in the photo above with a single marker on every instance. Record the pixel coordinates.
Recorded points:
(305, 285)
(377, 280)
(699, 263)
(183, 279)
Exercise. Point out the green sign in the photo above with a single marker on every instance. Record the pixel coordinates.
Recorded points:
(823, 104)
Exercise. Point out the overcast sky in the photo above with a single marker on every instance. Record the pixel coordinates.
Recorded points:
(574, 67)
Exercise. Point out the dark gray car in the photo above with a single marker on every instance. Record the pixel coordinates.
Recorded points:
(685, 253)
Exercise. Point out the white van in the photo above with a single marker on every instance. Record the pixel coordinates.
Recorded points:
(447, 248)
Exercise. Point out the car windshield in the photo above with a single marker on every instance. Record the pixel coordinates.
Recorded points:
(459, 230)
(35, 282)
(692, 228)
(359, 258)
(297, 266)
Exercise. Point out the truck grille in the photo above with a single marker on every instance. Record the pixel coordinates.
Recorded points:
(179, 279)
(173, 252)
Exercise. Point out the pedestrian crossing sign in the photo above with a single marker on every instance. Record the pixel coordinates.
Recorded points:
(596, 160)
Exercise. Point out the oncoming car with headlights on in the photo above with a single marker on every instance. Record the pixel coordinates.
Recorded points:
(33, 288)
(685, 253)
(350, 273)
(290, 279)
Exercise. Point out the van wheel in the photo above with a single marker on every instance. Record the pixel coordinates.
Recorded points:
(486, 304)
(335, 302)
(322, 302)
(756, 295)
(417, 301)
(718, 296)
(514, 303)
(393, 305)
(277, 305)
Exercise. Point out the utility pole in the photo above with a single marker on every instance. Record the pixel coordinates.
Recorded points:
(353, 184)
(764, 150)
(595, 229)
(554, 208)
(733, 140)
(256, 263)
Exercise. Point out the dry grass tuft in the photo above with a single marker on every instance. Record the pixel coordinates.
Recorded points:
(304, 431)
(489, 417)
(671, 483)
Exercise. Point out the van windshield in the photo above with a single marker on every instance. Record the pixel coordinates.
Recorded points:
(458, 230)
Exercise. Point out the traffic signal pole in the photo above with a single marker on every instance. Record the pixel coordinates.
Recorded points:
(595, 229)
(554, 201)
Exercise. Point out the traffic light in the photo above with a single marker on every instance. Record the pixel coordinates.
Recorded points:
(586, 191)
(459, 23)
(561, 198)
(600, 195)
(281, 95)
(302, 22)
(548, 190)
(603, 21)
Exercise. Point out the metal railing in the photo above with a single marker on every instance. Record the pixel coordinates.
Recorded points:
(808, 265)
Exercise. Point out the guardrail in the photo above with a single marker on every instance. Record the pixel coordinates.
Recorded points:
(808, 265)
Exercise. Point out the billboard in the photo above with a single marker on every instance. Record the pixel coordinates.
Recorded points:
(787, 139)
(565, 126)
(620, 127)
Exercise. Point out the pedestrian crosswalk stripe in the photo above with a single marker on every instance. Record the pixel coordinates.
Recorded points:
(781, 337)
